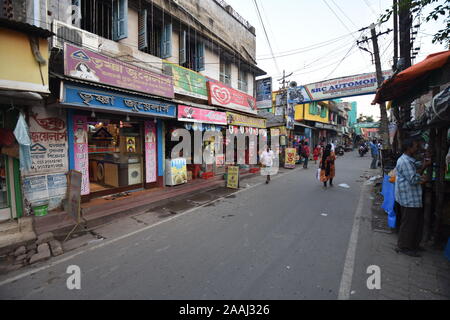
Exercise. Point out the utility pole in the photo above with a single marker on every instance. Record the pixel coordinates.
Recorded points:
(395, 13)
(283, 79)
(384, 126)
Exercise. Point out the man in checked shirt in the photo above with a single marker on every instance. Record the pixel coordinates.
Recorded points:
(408, 193)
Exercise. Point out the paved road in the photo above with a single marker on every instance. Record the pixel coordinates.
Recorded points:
(285, 240)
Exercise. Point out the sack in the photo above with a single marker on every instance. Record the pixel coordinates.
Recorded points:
(318, 174)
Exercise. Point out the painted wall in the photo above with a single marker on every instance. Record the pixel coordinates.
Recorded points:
(19, 69)
(307, 115)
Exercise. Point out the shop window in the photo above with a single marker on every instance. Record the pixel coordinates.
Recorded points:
(115, 154)
(192, 52)
(106, 18)
(242, 81)
(323, 112)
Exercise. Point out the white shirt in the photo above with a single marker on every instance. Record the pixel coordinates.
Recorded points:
(333, 147)
(267, 158)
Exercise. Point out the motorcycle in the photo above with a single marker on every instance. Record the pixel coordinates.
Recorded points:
(363, 150)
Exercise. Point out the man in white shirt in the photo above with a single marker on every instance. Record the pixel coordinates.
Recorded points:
(267, 162)
(333, 146)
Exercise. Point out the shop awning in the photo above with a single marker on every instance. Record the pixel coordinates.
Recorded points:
(299, 124)
(406, 82)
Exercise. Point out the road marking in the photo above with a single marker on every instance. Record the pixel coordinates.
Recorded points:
(347, 274)
(108, 242)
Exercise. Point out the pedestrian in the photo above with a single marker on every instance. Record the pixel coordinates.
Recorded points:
(316, 153)
(267, 157)
(327, 168)
(306, 153)
(374, 150)
(408, 193)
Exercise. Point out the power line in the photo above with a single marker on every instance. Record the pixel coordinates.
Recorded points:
(340, 62)
(343, 12)
(265, 33)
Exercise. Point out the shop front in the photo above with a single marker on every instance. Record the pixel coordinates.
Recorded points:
(116, 139)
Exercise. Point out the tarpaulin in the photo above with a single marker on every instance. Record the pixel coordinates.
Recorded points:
(404, 82)
(23, 137)
(388, 192)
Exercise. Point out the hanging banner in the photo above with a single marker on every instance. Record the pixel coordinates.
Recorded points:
(191, 114)
(81, 150)
(88, 65)
(246, 121)
(48, 132)
(264, 93)
(291, 154)
(224, 96)
(187, 82)
(150, 151)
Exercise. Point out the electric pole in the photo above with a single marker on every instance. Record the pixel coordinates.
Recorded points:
(384, 122)
(395, 13)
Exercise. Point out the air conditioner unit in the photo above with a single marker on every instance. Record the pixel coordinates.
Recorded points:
(67, 33)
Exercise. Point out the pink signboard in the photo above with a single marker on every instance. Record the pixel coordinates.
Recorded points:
(81, 151)
(223, 96)
(191, 114)
(150, 151)
(85, 64)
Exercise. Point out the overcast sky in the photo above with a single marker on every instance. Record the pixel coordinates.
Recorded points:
(312, 41)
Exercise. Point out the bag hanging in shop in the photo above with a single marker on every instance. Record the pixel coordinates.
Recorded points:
(23, 137)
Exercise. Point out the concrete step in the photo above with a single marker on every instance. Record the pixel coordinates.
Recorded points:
(23, 234)
(9, 227)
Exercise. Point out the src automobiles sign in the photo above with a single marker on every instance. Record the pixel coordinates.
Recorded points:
(223, 96)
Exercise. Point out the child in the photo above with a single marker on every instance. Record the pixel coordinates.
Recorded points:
(316, 153)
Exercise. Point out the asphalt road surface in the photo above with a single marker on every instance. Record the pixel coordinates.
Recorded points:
(286, 240)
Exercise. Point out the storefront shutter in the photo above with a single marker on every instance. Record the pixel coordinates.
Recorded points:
(142, 26)
(120, 19)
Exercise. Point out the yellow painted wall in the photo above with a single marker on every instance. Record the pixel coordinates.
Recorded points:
(311, 117)
(17, 63)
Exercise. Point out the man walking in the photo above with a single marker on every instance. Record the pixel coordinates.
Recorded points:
(374, 150)
(305, 154)
(267, 162)
(408, 193)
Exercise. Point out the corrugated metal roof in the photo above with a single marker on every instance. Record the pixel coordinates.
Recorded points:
(25, 27)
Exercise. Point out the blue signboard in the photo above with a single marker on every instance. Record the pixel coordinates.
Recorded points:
(89, 98)
(264, 93)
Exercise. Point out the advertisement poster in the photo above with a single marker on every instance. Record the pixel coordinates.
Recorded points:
(241, 120)
(233, 177)
(35, 188)
(150, 151)
(187, 82)
(191, 114)
(178, 171)
(48, 133)
(50, 187)
(264, 93)
(81, 151)
(291, 154)
(131, 144)
(223, 96)
(85, 64)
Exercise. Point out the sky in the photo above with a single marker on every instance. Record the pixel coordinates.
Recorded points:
(316, 39)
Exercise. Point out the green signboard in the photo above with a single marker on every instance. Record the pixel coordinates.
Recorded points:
(187, 82)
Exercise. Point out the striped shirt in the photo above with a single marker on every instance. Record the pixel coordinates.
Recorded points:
(408, 191)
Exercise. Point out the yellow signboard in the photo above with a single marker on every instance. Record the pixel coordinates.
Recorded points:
(233, 177)
(289, 161)
(246, 121)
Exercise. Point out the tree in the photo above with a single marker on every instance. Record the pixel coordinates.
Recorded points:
(439, 11)
(363, 118)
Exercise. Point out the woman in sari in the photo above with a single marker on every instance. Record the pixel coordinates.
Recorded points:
(327, 169)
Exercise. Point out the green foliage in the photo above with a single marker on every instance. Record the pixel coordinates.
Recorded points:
(416, 7)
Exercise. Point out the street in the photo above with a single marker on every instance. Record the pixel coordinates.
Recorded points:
(285, 240)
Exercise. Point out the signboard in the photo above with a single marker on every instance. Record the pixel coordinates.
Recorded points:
(81, 151)
(48, 132)
(191, 114)
(298, 95)
(187, 82)
(289, 161)
(74, 194)
(233, 177)
(264, 93)
(223, 96)
(150, 151)
(246, 121)
(88, 65)
(177, 171)
(85, 97)
(290, 116)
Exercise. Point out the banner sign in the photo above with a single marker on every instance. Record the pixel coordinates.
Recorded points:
(81, 151)
(88, 65)
(224, 96)
(191, 114)
(357, 85)
(246, 121)
(233, 177)
(187, 82)
(150, 151)
(87, 98)
(48, 132)
(290, 157)
(264, 93)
